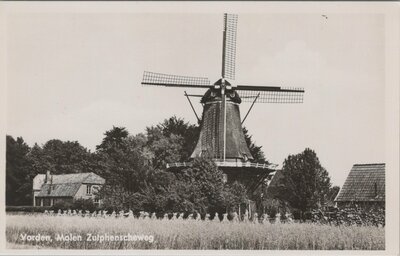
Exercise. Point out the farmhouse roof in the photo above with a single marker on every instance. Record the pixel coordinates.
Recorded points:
(59, 190)
(67, 185)
(365, 182)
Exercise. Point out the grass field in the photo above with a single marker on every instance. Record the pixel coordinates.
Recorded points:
(188, 234)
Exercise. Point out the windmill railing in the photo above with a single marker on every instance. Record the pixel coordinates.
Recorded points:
(227, 164)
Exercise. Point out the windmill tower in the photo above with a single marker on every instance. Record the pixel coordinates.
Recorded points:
(221, 134)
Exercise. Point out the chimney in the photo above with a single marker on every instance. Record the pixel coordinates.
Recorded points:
(49, 180)
(376, 189)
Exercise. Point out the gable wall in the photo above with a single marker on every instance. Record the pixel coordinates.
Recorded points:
(82, 192)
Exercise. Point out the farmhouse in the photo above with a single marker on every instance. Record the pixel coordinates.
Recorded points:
(51, 189)
(364, 187)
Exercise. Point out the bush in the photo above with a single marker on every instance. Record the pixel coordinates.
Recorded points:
(62, 205)
(296, 214)
(271, 206)
(272, 212)
(79, 204)
(27, 208)
(84, 204)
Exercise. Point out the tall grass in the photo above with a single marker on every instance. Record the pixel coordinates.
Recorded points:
(189, 234)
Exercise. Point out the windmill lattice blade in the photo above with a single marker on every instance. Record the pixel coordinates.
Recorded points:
(158, 79)
(274, 96)
(229, 46)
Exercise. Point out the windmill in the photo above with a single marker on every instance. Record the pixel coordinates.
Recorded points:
(221, 134)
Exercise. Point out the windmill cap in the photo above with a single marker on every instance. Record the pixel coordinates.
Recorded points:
(227, 84)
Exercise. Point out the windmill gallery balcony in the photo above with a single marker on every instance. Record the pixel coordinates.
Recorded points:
(266, 166)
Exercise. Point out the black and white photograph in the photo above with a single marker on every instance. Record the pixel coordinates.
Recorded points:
(200, 126)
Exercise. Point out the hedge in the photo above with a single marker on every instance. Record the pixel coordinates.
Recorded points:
(27, 208)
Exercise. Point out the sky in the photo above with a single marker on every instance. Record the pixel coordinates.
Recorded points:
(72, 76)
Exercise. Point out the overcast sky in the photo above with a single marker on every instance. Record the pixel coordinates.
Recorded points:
(72, 76)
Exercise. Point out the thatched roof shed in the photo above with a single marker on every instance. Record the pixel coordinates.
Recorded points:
(365, 183)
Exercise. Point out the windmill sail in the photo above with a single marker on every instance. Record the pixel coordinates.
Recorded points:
(159, 79)
(270, 94)
(229, 46)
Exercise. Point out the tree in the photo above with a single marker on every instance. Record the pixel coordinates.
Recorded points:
(167, 149)
(189, 133)
(255, 150)
(113, 139)
(18, 175)
(203, 190)
(126, 163)
(124, 160)
(304, 183)
(173, 140)
(202, 185)
(40, 162)
(235, 194)
(199, 188)
(61, 157)
(117, 198)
